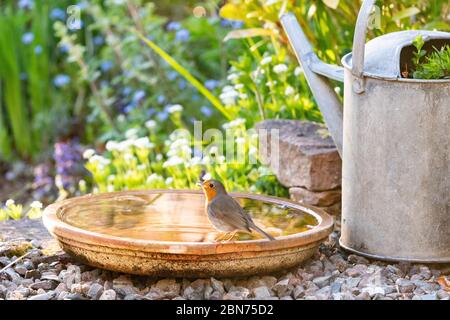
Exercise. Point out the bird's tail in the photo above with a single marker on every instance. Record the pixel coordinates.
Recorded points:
(261, 231)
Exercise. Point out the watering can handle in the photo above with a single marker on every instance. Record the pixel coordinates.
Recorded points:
(359, 44)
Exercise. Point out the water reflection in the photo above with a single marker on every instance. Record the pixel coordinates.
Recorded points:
(175, 217)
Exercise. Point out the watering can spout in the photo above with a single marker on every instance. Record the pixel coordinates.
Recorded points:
(316, 73)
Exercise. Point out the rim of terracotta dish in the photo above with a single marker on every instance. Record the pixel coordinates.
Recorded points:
(59, 228)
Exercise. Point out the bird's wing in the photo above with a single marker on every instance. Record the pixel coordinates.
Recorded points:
(229, 211)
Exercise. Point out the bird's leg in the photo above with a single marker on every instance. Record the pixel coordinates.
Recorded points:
(221, 236)
(232, 235)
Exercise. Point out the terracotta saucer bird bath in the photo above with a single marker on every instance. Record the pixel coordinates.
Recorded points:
(167, 233)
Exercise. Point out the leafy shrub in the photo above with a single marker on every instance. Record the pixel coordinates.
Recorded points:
(435, 65)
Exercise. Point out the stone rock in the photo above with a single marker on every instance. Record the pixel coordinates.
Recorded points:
(74, 296)
(95, 291)
(339, 262)
(283, 288)
(195, 291)
(323, 293)
(261, 292)
(322, 281)
(307, 159)
(237, 293)
(32, 274)
(299, 292)
(404, 285)
(165, 289)
(217, 285)
(43, 296)
(21, 269)
(334, 210)
(353, 258)
(430, 296)
(321, 198)
(374, 290)
(44, 284)
(108, 295)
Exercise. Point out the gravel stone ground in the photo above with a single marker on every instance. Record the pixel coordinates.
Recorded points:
(46, 273)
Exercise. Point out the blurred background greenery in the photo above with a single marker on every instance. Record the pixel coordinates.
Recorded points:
(75, 76)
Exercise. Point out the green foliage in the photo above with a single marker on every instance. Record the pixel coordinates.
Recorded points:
(29, 104)
(435, 65)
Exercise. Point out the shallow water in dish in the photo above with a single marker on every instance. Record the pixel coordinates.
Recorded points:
(177, 217)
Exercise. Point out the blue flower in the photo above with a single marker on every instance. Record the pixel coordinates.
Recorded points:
(98, 40)
(126, 91)
(61, 80)
(182, 35)
(106, 65)
(173, 26)
(64, 48)
(23, 76)
(138, 95)
(182, 84)
(151, 112)
(234, 24)
(163, 115)
(206, 111)
(38, 49)
(76, 25)
(195, 97)
(57, 14)
(211, 84)
(27, 38)
(82, 5)
(129, 107)
(26, 4)
(172, 75)
(161, 99)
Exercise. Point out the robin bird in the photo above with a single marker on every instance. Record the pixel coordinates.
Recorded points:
(225, 213)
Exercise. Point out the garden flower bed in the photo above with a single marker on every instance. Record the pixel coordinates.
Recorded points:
(110, 95)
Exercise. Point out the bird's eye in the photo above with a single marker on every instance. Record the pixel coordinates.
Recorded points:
(211, 185)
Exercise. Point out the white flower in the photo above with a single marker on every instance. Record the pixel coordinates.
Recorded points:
(9, 202)
(143, 143)
(240, 140)
(238, 86)
(154, 178)
(112, 145)
(131, 133)
(175, 108)
(159, 157)
(271, 83)
(206, 176)
(125, 145)
(169, 181)
(280, 68)
(173, 161)
(150, 124)
(110, 188)
(266, 60)
(235, 123)
(88, 153)
(96, 159)
(232, 76)
(289, 91)
(121, 118)
(195, 161)
(111, 178)
(298, 71)
(36, 205)
(243, 96)
(129, 157)
(228, 95)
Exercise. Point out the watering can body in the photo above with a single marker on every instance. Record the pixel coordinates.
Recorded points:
(393, 135)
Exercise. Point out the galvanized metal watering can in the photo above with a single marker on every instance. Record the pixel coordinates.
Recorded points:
(393, 135)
